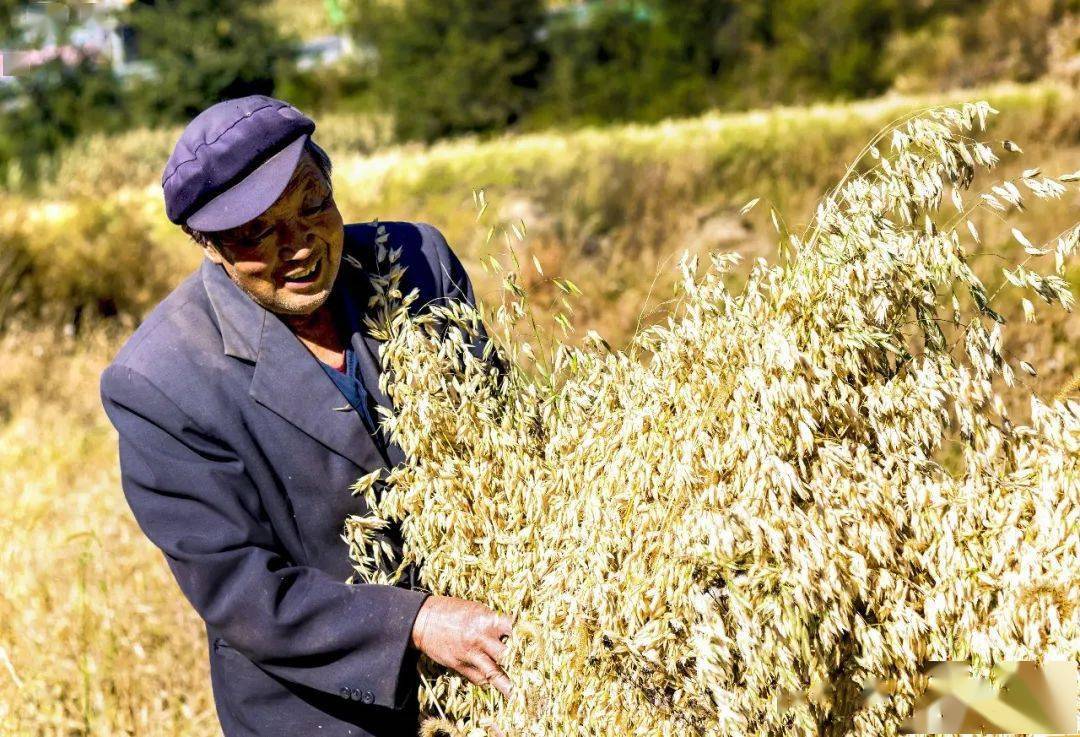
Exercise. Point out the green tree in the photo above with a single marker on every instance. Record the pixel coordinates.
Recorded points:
(52, 105)
(834, 48)
(601, 66)
(7, 10)
(203, 51)
(452, 66)
(707, 47)
(48, 105)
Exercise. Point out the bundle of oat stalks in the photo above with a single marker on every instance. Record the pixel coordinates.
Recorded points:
(781, 495)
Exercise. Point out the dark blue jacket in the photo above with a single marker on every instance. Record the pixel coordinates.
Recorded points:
(237, 465)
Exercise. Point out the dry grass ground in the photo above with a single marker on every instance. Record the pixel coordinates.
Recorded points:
(95, 638)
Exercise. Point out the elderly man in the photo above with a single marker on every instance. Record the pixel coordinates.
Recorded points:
(245, 406)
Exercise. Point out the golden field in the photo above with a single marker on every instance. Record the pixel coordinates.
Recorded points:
(95, 638)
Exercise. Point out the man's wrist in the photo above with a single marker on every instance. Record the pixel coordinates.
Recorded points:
(420, 624)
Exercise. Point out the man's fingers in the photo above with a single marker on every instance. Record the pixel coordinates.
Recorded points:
(484, 670)
(495, 649)
(474, 674)
(496, 677)
(473, 645)
(502, 684)
(502, 626)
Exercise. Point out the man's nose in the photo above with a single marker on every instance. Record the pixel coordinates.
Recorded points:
(297, 244)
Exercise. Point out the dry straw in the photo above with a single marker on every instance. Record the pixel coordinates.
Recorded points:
(790, 490)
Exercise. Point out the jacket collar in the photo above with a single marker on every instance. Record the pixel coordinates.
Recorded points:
(239, 317)
(287, 378)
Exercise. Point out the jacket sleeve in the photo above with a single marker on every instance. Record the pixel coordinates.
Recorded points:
(456, 285)
(195, 500)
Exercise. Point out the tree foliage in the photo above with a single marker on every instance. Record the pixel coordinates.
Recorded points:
(453, 66)
(50, 104)
(203, 51)
(200, 52)
(650, 59)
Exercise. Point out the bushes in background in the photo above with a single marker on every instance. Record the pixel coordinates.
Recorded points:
(646, 60)
(444, 67)
(453, 66)
(203, 51)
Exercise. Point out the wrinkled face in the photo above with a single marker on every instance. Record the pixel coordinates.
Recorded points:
(287, 258)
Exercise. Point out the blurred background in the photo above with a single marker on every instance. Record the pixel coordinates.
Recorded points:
(620, 133)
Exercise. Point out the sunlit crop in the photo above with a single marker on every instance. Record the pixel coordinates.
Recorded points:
(795, 487)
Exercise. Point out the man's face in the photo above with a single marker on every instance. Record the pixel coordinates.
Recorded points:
(287, 258)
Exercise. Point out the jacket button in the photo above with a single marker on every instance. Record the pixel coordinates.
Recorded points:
(346, 692)
(369, 698)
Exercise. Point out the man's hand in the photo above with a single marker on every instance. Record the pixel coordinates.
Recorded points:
(465, 636)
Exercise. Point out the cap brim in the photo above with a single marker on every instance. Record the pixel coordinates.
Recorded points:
(252, 195)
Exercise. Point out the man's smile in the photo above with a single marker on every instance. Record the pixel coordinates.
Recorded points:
(304, 273)
(307, 273)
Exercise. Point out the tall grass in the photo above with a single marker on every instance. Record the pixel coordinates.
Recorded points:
(95, 637)
(799, 487)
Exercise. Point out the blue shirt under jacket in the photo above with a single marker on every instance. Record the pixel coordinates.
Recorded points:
(350, 382)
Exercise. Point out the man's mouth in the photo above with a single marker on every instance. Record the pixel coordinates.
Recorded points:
(305, 274)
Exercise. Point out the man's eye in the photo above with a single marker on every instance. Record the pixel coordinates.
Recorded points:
(251, 241)
(317, 208)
